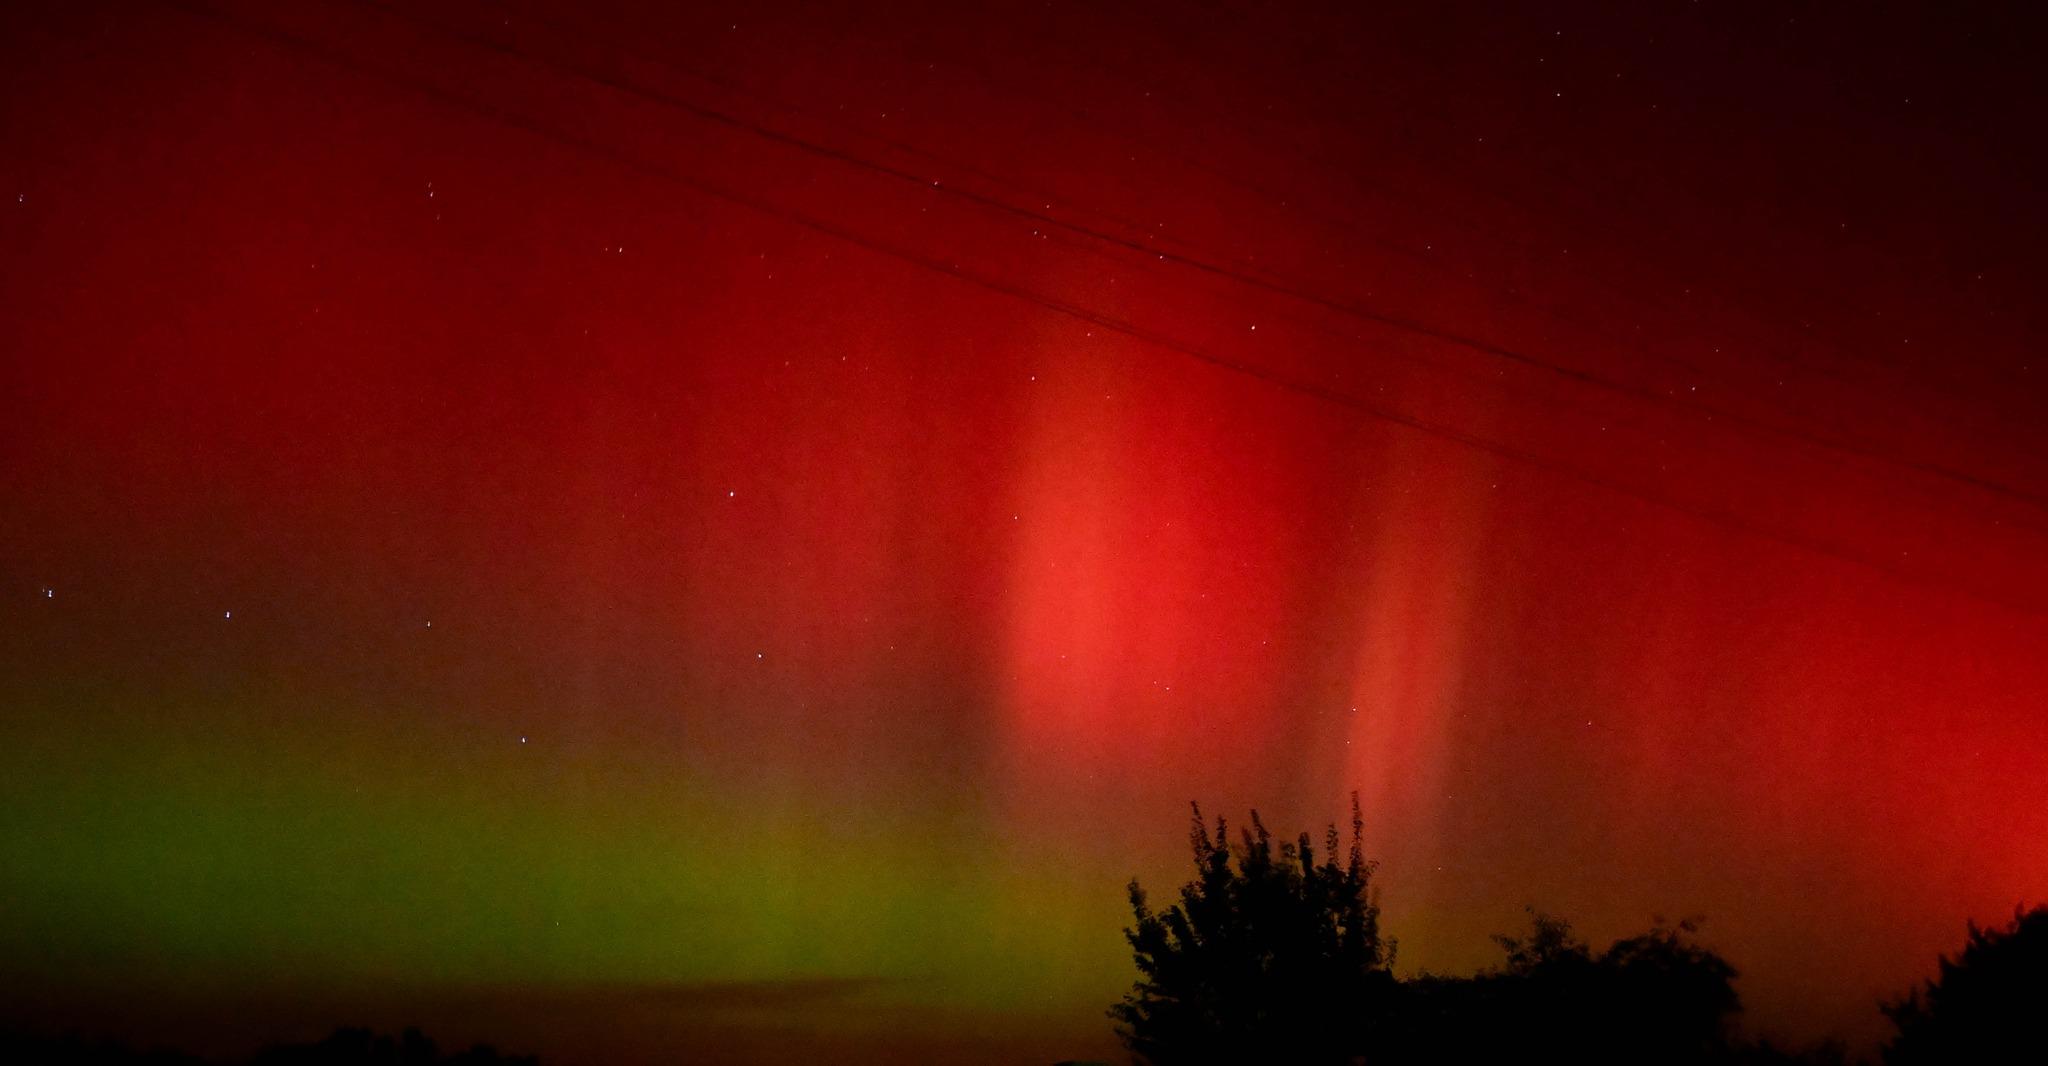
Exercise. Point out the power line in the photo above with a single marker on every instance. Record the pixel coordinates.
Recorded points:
(1103, 320)
(1038, 195)
(1147, 262)
(1542, 209)
(1154, 251)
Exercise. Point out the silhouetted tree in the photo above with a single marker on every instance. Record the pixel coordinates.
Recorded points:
(1274, 955)
(1988, 1005)
(1654, 997)
(1270, 955)
(1670, 994)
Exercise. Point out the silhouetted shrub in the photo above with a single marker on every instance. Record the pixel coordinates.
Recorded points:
(1270, 955)
(1654, 997)
(1273, 956)
(1988, 1005)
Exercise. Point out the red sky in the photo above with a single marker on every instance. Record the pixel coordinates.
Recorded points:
(741, 528)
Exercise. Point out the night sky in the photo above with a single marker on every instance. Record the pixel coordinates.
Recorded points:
(735, 529)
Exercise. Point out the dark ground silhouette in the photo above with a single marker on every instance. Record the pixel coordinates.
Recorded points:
(1654, 997)
(343, 1047)
(1272, 954)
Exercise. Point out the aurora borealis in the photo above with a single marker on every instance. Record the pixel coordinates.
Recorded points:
(737, 529)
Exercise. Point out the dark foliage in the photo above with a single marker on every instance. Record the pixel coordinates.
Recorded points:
(1988, 1005)
(1654, 997)
(1270, 955)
